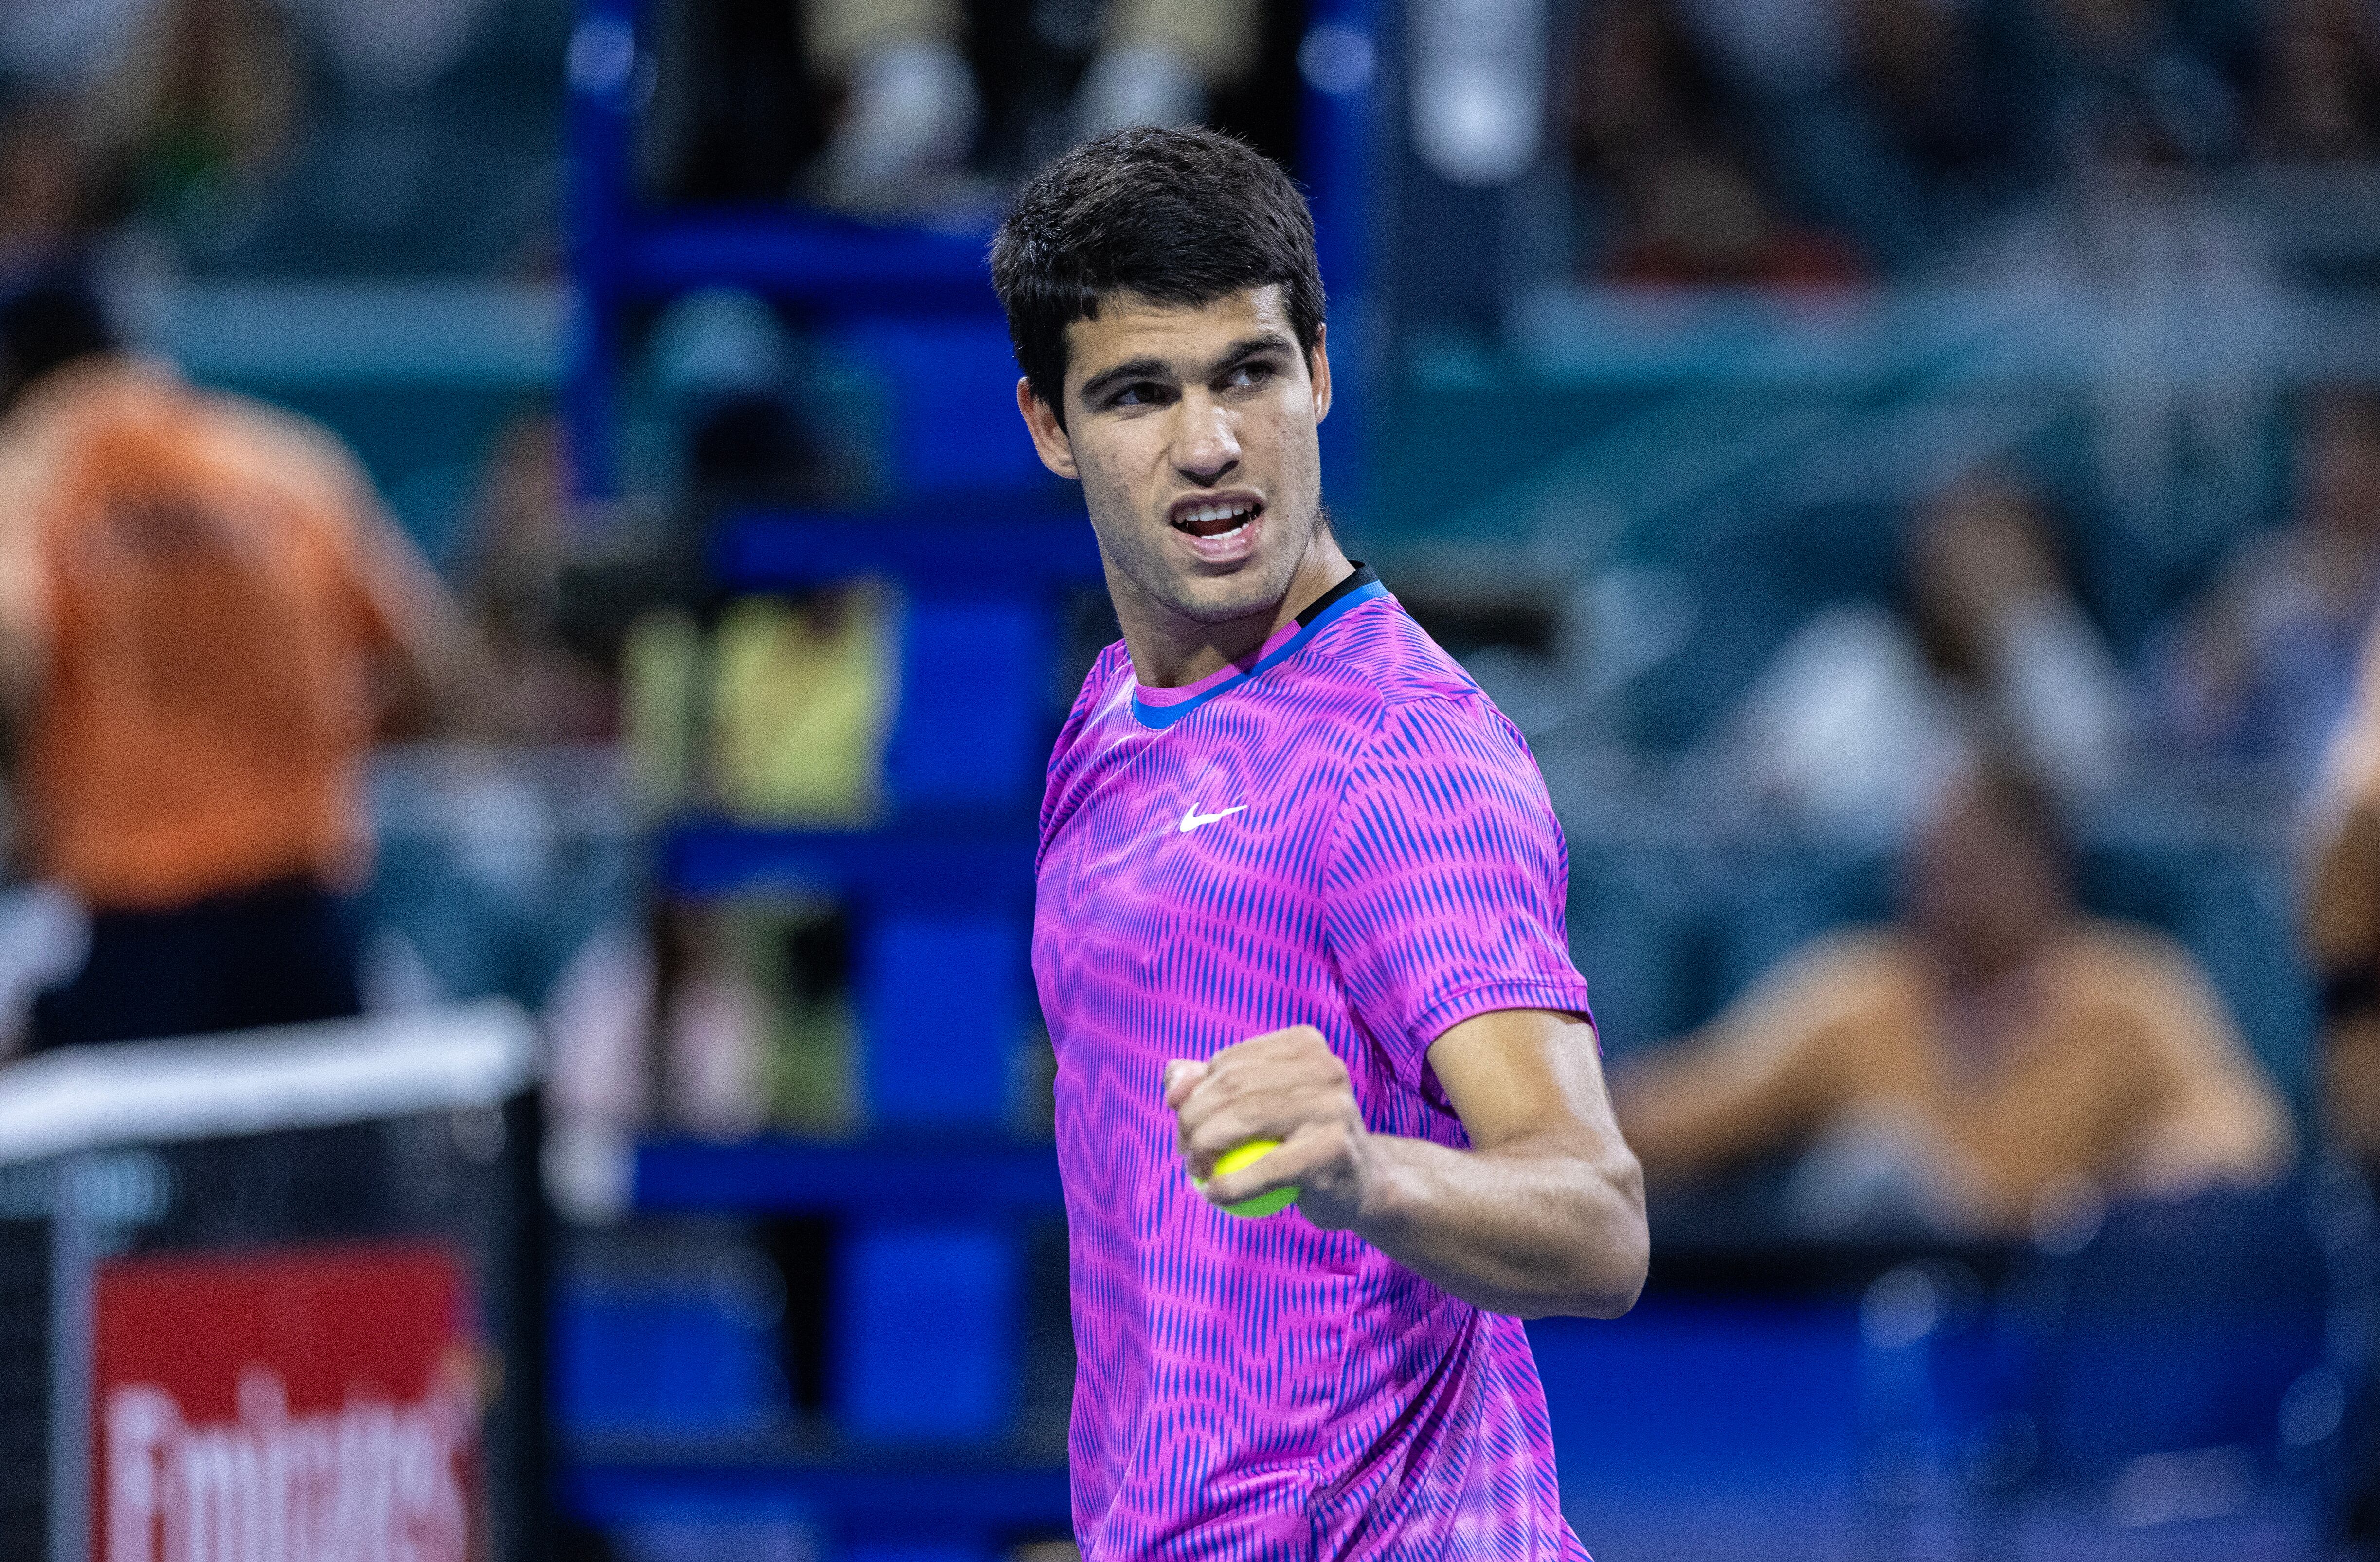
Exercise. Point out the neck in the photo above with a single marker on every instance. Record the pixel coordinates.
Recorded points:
(1170, 651)
(1970, 975)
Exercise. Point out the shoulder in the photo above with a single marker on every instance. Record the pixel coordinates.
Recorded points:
(1097, 698)
(278, 444)
(65, 410)
(1114, 661)
(1398, 687)
(1851, 969)
(1377, 645)
(1075, 758)
(75, 432)
(2131, 961)
(2143, 983)
(1850, 982)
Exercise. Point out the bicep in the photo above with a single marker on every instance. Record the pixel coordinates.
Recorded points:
(1446, 884)
(1520, 1076)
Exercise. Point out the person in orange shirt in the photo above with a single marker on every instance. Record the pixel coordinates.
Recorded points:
(204, 618)
(1980, 1069)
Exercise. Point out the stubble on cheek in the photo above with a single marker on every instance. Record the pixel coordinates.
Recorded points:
(1137, 544)
(1138, 547)
(1126, 537)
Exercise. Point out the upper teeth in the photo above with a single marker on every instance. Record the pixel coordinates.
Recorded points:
(1216, 512)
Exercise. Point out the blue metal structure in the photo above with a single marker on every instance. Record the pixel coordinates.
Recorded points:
(927, 1297)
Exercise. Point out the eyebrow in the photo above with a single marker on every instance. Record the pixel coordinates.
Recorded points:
(1157, 369)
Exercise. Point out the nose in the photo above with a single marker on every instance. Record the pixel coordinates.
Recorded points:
(1206, 448)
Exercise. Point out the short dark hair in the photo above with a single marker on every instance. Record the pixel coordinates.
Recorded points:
(1182, 216)
(47, 325)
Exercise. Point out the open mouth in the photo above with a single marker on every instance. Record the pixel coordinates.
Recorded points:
(1215, 518)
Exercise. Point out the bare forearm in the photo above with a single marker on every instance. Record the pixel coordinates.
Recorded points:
(2340, 909)
(1529, 1230)
(1545, 1215)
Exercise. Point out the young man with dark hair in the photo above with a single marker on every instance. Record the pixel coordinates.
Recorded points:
(1299, 882)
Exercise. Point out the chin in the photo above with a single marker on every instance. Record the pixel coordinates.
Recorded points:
(1253, 589)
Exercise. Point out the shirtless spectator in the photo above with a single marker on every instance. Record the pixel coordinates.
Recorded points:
(1994, 1057)
(203, 617)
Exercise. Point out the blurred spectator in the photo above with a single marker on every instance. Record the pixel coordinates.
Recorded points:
(1986, 1066)
(2132, 234)
(201, 92)
(2143, 79)
(2263, 667)
(1859, 720)
(2342, 932)
(739, 108)
(1642, 85)
(302, 135)
(1677, 201)
(1867, 134)
(2343, 913)
(911, 107)
(2318, 96)
(1937, 88)
(1800, 143)
(42, 190)
(1827, 151)
(536, 690)
(1696, 217)
(732, 409)
(387, 48)
(203, 614)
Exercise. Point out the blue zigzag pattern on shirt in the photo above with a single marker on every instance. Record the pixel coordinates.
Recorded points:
(1369, 850)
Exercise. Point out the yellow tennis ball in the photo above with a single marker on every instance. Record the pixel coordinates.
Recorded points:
(1247, 1155)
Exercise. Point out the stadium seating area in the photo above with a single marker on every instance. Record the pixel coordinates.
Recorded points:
(1633, 400)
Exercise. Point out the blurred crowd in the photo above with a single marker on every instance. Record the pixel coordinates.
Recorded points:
(1707, 140)
(209, 617)
(276, 750)
(1731, 141)
(1969, 718)
(1967, 724)
(305, 138)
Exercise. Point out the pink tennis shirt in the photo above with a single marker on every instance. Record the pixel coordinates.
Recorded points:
(1340, 832)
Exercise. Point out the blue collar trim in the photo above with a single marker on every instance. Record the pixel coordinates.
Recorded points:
(1160, 717)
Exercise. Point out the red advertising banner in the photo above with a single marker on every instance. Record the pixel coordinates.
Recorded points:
(285, 1406)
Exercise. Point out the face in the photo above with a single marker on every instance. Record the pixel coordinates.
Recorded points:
(1984, 891)
(2343, 467)
(1193, 432)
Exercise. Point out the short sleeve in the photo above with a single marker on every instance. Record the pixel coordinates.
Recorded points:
(1448, 879)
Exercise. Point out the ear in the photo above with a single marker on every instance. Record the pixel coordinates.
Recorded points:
(1318, 366)
(1050, 440)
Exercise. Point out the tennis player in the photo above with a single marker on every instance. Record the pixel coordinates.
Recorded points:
(1299, 882)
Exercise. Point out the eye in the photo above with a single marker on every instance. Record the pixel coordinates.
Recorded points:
(1248, 375)
(1145, 393)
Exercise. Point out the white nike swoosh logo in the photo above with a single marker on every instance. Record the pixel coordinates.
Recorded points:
(1194, 818)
